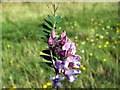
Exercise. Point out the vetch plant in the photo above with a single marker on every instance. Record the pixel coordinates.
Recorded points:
(67, 62)
(62, 52)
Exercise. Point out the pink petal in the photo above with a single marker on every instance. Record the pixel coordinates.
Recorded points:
(63, 34)
(63, 41)
(72, 58)
(53, 33)
(50, 41)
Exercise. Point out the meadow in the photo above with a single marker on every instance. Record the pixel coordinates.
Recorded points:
(93, 26)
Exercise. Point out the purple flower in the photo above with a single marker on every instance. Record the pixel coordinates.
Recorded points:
(56, 81)
(53, 33)
(62, 53)
(70, 47)
(59, 65)
(73, 61)
(63, 41)
(63, 34)
(50, 41)
(73, 57)
(71, 74)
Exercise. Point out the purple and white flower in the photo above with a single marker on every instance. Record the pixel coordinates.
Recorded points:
(70, 47)
(73, 61)
(60, 66)
(71, 74)
(56, 81)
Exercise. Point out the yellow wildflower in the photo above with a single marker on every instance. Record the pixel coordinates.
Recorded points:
(107, 42)
(105, 46)
(104, 59)
(87, 38)
(11, 62)
(76, 44)
(84, 68)
(49, 83)
(91, 54)
(44, 86)
(99, 46)
(8, 46)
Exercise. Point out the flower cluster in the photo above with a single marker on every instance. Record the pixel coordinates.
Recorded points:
(68, 62)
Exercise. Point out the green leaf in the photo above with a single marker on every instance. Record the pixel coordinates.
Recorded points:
(51, 19)
(46, 64)
(48, 25)
(58, 19)
(43, 33)
(46, 31)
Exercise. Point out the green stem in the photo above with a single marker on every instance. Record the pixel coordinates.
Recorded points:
(52, 57)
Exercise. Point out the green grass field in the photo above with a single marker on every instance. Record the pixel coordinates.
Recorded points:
(93, 26)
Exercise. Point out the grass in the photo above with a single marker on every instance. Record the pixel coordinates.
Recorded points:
(93, 26)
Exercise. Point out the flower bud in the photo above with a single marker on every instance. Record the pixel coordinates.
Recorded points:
(50, 41)
(53, 33)
(58, 49)
(63, 41)
(63, 34)
(62, 53)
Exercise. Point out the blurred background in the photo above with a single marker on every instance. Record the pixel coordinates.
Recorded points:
(93, 26)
